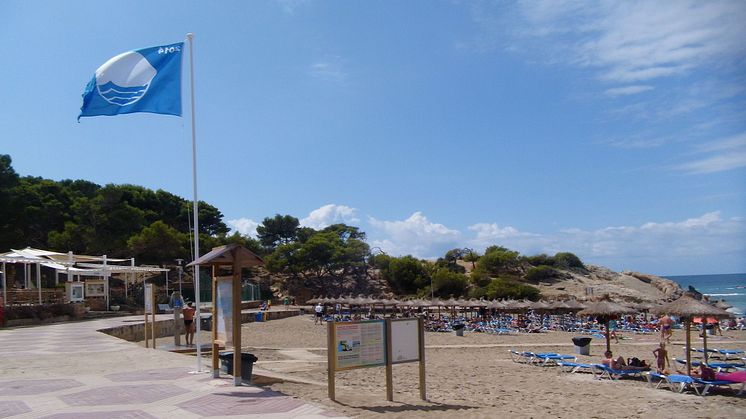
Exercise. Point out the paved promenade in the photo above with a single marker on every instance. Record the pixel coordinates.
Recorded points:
(72, 371)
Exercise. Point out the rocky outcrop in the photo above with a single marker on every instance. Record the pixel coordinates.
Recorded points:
(625, 286)
(665, 285)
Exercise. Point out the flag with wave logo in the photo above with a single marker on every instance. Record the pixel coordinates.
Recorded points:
(143, 80)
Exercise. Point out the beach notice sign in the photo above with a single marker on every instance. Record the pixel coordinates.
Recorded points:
(359, 344)
(149, 298)
(405, 345)
(373, 343)
(224, 309)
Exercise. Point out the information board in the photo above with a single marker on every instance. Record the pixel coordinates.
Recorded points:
(359, 344)
(149, 298)
(224, 310)
(95, 288)
(405, 345)
(75, 291)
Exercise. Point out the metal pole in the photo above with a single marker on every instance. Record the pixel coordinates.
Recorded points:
(5, 286)
(190, 37)
(106, 284)
(38, 281)
(181, 270)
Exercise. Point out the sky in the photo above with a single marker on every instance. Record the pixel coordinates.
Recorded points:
(613, 130)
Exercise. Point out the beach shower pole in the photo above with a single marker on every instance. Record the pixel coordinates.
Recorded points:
(190, 37)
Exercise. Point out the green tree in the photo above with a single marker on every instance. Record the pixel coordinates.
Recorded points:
(157, 243)
(471, 256)
(405, 274)
(450, 261)
(497, 260)
(280, 229)
(446, 283)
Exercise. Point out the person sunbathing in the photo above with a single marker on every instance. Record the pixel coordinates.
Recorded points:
(622, 365)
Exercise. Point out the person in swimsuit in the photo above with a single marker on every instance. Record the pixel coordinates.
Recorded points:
(661, 358)
(188, 314)
(665, 324)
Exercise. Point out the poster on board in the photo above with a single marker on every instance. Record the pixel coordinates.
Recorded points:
(75, 291)
(95, 288)
(224, 310)
(149, 298)
(405, 345)
(359, 344)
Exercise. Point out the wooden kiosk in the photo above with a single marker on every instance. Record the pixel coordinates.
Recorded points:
(227, 263)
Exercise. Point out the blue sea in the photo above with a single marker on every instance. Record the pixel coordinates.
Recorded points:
(728, 287)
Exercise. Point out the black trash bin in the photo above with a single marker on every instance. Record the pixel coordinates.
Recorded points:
(205, 322)
(247, 364)
(458, 328)
(582, 345)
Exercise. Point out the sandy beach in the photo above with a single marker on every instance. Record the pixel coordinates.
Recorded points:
(473, 376)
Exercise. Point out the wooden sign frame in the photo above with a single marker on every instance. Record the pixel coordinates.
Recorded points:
(235, 298)
(333, 346)
(149, 297)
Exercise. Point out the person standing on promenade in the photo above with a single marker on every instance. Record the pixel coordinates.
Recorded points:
(188, 313)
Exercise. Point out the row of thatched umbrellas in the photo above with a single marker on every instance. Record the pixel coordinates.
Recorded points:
(506, 305)
(686, 308)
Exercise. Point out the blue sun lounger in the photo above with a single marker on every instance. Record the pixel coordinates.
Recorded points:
(547, 359)
(573, 367)
(730, 352)
(601, 371)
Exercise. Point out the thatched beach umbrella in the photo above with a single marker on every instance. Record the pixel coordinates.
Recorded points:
(605, 309)
(497, 305)
(687, 307)
(539, 306)
(574, 305)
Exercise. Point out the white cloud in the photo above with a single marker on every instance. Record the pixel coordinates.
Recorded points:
(330, 68)
(290, 6)
(416, 236)
(330, 214)
(688, 245)
(642, 40)
(245, 226)
(721, 155)
(628, 90)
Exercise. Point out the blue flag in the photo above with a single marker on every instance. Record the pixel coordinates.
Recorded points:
(143, 80)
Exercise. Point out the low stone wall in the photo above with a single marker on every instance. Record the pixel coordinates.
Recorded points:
(136, 332)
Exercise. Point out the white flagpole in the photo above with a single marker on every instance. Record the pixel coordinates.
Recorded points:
(197, 320)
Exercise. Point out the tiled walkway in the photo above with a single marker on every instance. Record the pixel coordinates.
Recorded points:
(72, 371)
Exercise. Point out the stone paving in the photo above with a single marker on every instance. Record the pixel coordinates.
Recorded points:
(71, 371)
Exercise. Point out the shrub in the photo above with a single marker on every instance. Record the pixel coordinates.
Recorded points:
(507, 288)
(567, 260)
(540, 273)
